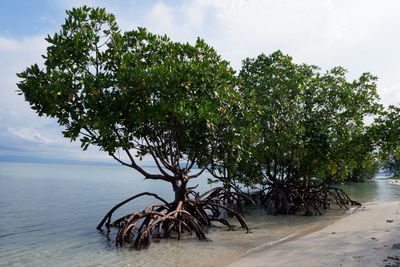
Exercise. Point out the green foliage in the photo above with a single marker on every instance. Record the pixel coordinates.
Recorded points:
(309, 125)
(132, 92)
(231, 150)
(392, 165)
(365, 169)
(386, 132)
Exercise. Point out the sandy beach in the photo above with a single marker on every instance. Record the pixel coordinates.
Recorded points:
(370, 236)
(394, 181)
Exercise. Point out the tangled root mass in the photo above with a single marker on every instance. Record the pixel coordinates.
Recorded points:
(191, 214)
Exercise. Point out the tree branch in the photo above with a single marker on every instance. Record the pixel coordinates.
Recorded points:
(137, 167)
(143, 172)
(197, 174)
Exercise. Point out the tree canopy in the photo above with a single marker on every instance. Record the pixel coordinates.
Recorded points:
(309, 125)
(386, 133)
(138, 94)
(134, 92)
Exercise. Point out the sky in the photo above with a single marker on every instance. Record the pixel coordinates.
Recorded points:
(359, 35)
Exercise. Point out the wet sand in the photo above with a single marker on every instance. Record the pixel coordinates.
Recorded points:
(370, 236)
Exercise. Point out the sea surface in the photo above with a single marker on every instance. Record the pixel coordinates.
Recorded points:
(49, 214)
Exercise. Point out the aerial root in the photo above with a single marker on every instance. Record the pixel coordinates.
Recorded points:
(293, 199)
(232, 197)
(341, 198)
(107, 218)
(165, 220)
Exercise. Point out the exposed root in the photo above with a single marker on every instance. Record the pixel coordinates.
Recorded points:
(341, 198)
(190, 215)
(109, 214)
(288, 198)
(233, 197)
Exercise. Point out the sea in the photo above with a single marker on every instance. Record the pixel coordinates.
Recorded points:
(49, 214)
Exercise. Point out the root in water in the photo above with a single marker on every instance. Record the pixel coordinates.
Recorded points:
(164, 220)
(294, 199)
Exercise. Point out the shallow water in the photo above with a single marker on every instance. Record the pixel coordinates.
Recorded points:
(49, 215)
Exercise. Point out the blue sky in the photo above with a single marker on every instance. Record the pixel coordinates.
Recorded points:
(360, 35)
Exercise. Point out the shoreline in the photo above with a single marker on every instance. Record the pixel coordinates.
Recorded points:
(369, 236)
(394, 181)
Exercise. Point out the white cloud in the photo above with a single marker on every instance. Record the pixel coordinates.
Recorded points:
(194, 13)
(360, 35)
(162, 16)
(31, 135)
(26, 45)
(391, 94)
(8, 45)
(16, 55)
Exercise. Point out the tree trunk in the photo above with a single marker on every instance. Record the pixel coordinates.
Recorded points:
(180, 189)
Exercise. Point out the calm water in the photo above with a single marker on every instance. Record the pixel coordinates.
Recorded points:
(49, 215)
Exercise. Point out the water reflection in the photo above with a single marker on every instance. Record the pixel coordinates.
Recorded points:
(362, 192)
(378, 190)
(387, 191)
